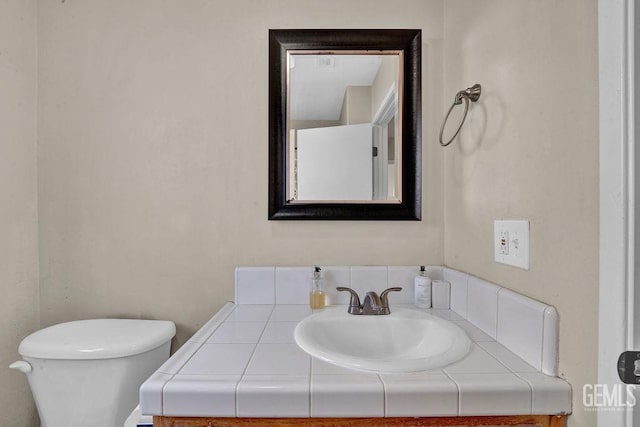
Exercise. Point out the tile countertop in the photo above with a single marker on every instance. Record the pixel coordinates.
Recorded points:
(244, 363)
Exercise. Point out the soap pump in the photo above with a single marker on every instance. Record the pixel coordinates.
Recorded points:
(422, 289)
(317, 296)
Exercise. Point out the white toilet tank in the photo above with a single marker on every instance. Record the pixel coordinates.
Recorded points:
(88, 372)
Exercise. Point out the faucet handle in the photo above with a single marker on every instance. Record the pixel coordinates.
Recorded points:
(355, 299)
(384, 295)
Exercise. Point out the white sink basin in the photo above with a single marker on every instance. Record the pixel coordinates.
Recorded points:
(403, 341)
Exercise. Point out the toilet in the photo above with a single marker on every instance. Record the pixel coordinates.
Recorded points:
(88, 372)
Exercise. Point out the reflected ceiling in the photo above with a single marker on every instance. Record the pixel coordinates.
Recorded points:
(318, 83)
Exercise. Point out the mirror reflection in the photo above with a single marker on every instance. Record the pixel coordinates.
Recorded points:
(343, 122)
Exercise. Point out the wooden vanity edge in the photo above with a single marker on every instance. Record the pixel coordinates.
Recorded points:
(488, 421)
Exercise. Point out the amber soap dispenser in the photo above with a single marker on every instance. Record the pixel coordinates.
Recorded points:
(317, 295)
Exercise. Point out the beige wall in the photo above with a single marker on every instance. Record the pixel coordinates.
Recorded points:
(530, 151)
(153, 154)
(356, 105)
(19, 312)
(386, 77)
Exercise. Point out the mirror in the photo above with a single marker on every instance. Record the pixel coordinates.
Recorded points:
(342, 116)
(344, 124)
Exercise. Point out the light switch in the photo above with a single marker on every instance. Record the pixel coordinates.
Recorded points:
(511, 243)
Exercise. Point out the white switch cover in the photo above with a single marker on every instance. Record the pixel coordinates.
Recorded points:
(511, 243)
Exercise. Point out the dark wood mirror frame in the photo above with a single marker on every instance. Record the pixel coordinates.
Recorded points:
(408, 41)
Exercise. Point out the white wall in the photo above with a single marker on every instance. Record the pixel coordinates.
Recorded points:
(153, 154)
(530, 151)
(19, 312)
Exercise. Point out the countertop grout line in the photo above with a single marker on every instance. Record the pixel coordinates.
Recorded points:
(253, 352)
(457, 388)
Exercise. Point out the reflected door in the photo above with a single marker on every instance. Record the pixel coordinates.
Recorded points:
(335, 163)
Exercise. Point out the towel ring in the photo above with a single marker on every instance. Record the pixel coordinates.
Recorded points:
(470, 94)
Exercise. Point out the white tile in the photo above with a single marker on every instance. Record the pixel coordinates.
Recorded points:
(458, 282)
(443, 314)
(334, 277)
(477, 361)
(250, 313)
(151, 393)
(411, 306)
(212, 324)
(474, 332)
(482, 309)
(237, 332)
(273, 396)
(365, 279)
(289, 313)
(492, 394)
(179, 358)
(550, 342)
(402, 277)
(279, 359)
(293, 285)
(419, 395)
(219, 359)
(347, 396)
(320, 367)
(455, 316)
(520, 326)
(255, 285)
(447, 315)
(506, 357)
(201, 395)
(551, 395)
(279, 332)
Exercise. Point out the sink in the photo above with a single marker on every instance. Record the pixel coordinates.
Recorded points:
(404, 341)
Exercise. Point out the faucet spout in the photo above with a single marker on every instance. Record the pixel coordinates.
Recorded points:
(373, 303)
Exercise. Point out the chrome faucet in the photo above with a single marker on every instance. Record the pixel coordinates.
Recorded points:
(373, 304)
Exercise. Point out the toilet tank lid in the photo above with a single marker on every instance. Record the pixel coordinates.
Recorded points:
(97, 339)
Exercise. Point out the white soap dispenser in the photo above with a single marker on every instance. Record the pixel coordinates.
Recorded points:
(422, 289)
(317, 295)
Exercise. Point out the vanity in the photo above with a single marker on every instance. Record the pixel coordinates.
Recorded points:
(243, 367)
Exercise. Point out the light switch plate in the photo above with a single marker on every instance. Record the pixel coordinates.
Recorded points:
(511, 243)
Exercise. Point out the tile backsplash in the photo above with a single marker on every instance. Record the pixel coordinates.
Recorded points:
(291, 285)
(527, 327)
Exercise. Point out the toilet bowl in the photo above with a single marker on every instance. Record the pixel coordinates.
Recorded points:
(88, 372)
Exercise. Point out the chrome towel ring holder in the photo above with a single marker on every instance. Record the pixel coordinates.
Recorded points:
(470, 94)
